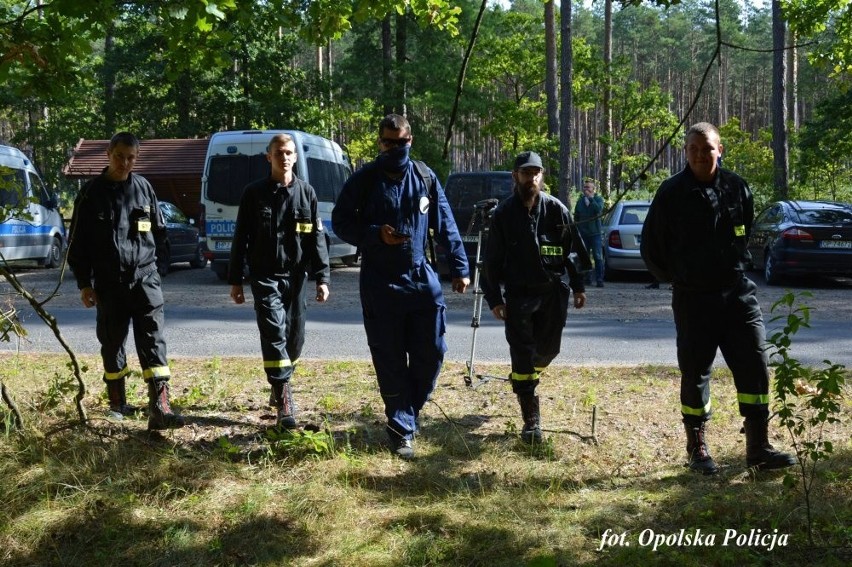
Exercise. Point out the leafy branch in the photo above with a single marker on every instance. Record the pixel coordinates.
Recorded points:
(807, 399)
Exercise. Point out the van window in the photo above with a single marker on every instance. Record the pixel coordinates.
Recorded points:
(327, 178)
(39, 190)
(12, 186)
(228, 176)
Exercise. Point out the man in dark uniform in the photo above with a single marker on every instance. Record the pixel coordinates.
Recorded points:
(116, 230)
(280, 235)
(387, 209)
(695, 237)
(527, 252)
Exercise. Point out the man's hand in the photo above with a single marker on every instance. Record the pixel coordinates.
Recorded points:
(322, 293)
(500, 312)
(460, 284)
(579, 300)
(391, 237)
(88, 297)
(237, 294)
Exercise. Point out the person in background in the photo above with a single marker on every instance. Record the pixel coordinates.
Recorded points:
(527, 254)
(280, 236)
(587, 214)
(695, 237)
(387, 208)
(116, 230)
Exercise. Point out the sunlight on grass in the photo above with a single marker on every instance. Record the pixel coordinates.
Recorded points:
(229, 489)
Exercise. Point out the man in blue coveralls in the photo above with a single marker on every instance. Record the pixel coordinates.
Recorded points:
(386, 209)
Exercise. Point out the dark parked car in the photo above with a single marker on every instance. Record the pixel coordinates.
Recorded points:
(802, 238)
(622, 234)
(184, 243)
(464, 191)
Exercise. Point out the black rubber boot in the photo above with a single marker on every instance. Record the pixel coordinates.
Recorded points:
(118, 406)
(759, 452)
(160, 415)
(696, 447)
(282, 397)
(531, 432)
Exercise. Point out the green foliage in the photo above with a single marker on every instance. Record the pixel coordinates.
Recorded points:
(287, 444)
(825, 144)
(750, 158)
(806, 399)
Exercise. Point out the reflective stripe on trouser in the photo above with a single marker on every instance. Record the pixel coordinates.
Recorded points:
(405, 331)
(108, 376)
(141, 305)
(280, 304)
(534, 326)
(731, 321)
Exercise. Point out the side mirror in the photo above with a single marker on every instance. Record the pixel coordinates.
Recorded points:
(52, 202)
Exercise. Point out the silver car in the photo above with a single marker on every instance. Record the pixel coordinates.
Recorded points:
(622, 234)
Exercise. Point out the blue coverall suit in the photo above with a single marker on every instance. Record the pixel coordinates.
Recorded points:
(116, 230)
(588, 219)
(695, 236)
(280, 235)
(401, 298)
(526, 253)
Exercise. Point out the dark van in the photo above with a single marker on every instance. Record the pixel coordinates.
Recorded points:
(464, 191)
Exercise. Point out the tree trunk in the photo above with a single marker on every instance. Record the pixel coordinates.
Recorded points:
(109, 83)
(793, 82)
(401, 92)
(567, 99)
(606, 148)
(550, 86)
(779, 107)
(387, 64)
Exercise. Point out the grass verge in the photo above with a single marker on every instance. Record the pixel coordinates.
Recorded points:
(229, 490)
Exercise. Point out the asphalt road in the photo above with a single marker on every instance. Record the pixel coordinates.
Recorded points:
(623, 324)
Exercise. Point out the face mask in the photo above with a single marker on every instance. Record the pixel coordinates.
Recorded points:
(394, 160)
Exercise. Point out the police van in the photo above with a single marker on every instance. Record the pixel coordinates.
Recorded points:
(236, 158)
(31, 226)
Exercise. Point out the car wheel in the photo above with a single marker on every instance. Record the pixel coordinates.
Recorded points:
(770, 271)
(164, 262)
(54, 255)
(198, 261)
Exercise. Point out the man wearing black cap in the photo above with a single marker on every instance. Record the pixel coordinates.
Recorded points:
(527, 253)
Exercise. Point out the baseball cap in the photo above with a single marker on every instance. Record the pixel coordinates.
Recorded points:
(528, 159)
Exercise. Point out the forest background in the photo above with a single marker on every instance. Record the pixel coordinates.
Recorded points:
(187, 68)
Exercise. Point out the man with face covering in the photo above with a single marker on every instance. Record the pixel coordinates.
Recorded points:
(387, 208)
(528, 254)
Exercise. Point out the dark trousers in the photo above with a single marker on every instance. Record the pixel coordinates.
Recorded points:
(732, 322)
(139, 304)
(534, 323)
(405, 329)
(595, 245)
(280, 305)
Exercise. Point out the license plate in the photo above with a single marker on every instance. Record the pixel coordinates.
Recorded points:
(835, 244)
(223, 245)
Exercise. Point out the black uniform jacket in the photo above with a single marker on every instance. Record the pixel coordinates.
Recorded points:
(526, 251)
(696, 236)
(279, 232)
(116, 230)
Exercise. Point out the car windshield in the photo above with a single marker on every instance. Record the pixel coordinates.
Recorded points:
(826, 216)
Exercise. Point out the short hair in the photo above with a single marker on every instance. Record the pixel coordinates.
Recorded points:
(704, 129)
(394, 122)
(125, 139)
(590, 181)
(279, 139)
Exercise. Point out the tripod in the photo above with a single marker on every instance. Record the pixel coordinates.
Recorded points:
(482, 212)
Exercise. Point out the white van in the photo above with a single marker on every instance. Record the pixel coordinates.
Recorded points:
(234, 159)
(31, 226)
